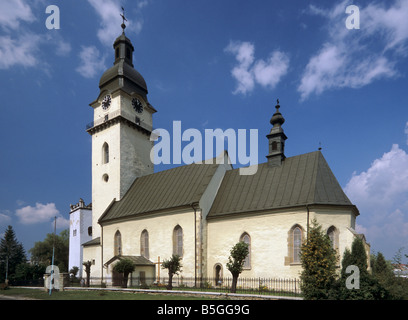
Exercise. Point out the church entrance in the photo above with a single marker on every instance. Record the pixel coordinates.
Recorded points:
(117, 279)
(218, 274)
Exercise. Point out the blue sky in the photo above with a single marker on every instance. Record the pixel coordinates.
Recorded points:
(209, 64)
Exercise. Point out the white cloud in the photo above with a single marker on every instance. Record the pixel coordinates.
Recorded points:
(12, 11)
(5, 217)
(20, 51)
(244, 54)
(381, 194)
(62, 223)
(42, 213)
(109, 12)
(268, 73)
(92, 63)
(63, 48)
(355, 58)
(248, 72)
(406, 130)
(38, 214)
(19, 46)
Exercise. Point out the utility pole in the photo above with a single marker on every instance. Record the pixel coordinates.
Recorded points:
(53, 253)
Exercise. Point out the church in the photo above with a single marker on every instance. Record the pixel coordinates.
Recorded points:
(197, 211)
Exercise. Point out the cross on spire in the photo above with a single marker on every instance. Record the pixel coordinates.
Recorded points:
(123, 20)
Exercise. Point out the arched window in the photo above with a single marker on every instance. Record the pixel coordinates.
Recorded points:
(118, 244)
(178, 241)
(297, 243)
(144, 244)
(247, 239)
(295, 240)
(105, 153)
(333, 236)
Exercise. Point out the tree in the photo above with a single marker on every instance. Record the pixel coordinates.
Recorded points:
(124, 266)
(74, 270)
(383, 272)
(29, 273)
(12, 254)
(42, 250)
(369, 288)
(87, 266)
(174, 266)
(236, 260)
(319, 261)
(380, 267)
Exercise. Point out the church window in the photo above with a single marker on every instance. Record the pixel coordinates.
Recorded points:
(274, 145)
(246, 238)
(117, 53)
(297, 243)
(118, 244)
(295, 240)
(144, 244)
(178, 241)
(105, 150)
(89, 231)
(74, 233)
(333, 236)
(128, 54)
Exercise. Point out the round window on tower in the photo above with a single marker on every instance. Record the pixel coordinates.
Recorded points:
(105, 177)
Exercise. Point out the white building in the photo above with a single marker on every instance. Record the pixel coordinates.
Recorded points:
(80, 231)
(196, 211)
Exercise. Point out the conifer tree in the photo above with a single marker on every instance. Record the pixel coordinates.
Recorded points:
(319, 262)
(12, 254)
(369, 287)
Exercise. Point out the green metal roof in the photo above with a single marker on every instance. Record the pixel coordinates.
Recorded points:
(180, 186)
(93, 242)
(137, 260)
(300, 180)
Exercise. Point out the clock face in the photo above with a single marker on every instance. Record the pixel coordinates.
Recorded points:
(137, 105)
(106, 102)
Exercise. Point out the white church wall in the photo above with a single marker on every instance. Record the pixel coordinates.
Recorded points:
(93, 254)
(269, 240)
(160, 229)
(134, 157)
(342, 220)
(103, 192)
(269, 247)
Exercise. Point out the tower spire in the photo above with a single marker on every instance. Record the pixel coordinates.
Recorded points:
(276, 139)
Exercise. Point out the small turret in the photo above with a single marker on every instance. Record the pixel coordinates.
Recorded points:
(276, 139)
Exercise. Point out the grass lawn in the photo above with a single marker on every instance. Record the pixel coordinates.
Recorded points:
(93, 295)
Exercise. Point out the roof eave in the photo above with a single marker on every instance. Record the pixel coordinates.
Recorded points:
(279, 210)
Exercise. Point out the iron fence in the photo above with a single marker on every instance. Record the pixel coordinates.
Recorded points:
(259, 286)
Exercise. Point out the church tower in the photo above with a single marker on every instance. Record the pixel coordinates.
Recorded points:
(276, 139)
(120, 131)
